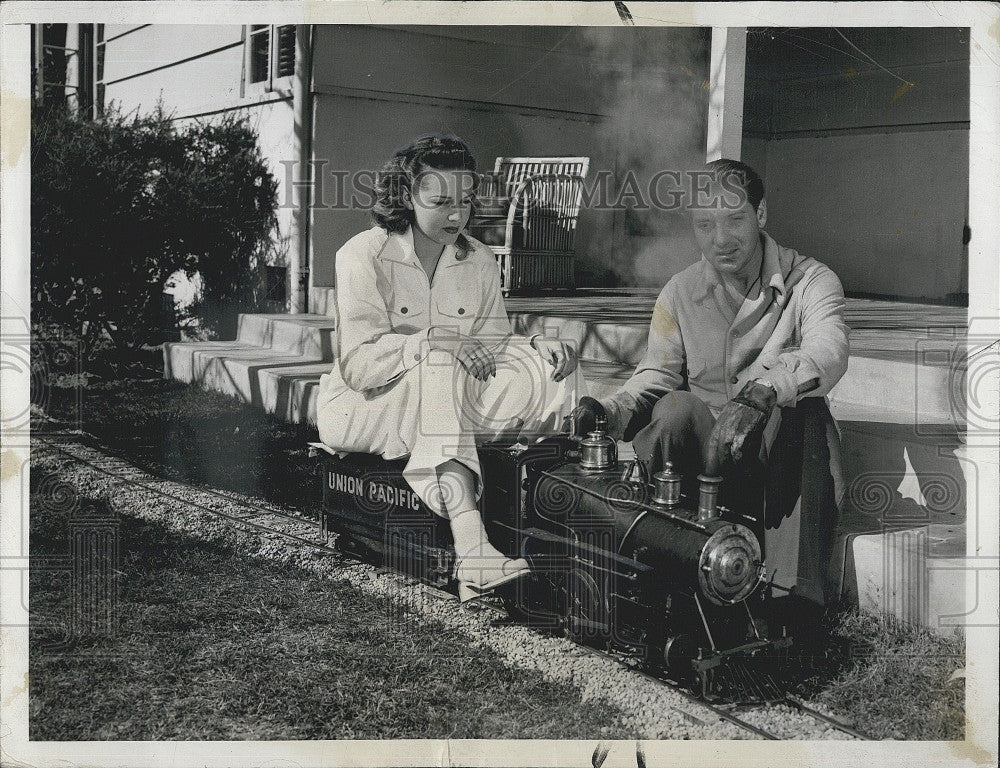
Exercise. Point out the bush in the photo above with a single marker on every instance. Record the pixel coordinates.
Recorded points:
(121, 203)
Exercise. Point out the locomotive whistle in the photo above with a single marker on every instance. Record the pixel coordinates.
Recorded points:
(708, 497)
(636, 472)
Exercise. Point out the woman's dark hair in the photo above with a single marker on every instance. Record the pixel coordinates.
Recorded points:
(734, 174)
(443, 152)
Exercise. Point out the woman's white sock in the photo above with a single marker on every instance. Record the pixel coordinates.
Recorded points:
(470, 536)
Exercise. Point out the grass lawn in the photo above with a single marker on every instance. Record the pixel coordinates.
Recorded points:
(894, 682)
(212, 644)
(296, 655)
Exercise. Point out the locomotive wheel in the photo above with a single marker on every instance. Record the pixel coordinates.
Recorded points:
(526, 602)
(585, 612)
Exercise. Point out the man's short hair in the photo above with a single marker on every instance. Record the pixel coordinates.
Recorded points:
(732, 174)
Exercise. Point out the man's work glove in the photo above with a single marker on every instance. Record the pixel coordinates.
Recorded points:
(743, 417)
(583, 418)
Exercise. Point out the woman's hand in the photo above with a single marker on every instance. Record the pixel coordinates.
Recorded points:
(475, 357)
(559, 354)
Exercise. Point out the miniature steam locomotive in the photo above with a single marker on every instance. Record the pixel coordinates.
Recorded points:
(618, 560)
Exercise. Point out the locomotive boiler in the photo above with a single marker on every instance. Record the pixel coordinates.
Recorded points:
(651, 567)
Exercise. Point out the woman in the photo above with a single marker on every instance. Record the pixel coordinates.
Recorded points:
(427, 360)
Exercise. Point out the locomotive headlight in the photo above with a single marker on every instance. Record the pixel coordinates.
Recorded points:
(730, 566)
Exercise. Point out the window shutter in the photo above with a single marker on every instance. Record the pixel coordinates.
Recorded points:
(260, 40)
(285, 55)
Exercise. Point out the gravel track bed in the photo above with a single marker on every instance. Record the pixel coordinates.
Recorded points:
(653, 711)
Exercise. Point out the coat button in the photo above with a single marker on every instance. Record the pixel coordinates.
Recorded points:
(734, 380)
(416, 356)
(461, 310)
(403, 310)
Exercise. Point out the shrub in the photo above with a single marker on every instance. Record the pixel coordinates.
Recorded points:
(121, 203)
(233, 197)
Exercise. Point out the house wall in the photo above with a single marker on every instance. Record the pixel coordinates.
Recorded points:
(626, 98)
(634, 100)
(865, 173)
(196, 72)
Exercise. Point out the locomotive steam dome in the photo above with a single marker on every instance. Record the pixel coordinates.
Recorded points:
(729, 566)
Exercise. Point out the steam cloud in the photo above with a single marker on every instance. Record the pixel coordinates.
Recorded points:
(654, 91)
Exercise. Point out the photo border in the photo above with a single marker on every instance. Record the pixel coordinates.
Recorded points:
(980, 745)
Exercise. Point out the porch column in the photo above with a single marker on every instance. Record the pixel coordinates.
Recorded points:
(727, 72)
(298, 252)
(72, 82)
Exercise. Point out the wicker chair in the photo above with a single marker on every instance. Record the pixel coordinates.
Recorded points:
(528, 213)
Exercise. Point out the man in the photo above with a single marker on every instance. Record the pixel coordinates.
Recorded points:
(743, 346)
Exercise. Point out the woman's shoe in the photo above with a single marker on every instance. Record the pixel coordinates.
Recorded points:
(490, 576)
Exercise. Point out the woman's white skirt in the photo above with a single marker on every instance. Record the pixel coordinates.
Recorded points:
(436, 412)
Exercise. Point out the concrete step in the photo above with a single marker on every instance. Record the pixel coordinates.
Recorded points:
(902, 532)
(237, 372)
(263, 365)
(311, 336)
(927, 391)
(256, 329)
(290, 393)
(178, 357)
(301, 334)
(915, 573)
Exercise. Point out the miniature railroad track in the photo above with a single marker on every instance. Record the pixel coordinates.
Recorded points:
(257, 520)
(726, 712)
(246, 520)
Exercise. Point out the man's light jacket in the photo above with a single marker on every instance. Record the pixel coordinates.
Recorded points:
(791, 332)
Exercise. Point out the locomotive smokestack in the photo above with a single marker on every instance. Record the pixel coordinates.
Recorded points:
(708, 497)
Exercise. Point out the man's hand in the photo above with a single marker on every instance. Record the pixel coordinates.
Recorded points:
(583, 418)
(475, 357)
(559, 354)
(744, 416)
